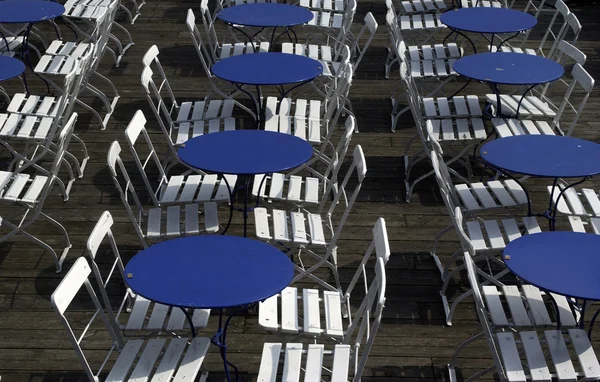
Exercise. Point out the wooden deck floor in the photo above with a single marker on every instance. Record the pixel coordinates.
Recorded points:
(413, 343)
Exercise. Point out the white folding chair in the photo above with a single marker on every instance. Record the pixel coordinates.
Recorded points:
(281, 313)
(409, 7)
(190, 187)
(431, 67)
(520, 351)
(181, 121)
(309, 190)
(321, 230)
(158, 223)
(160, 358)
(134, 314)
(544, 116)
(346, 361)
(23, 197)
(483, 3)
(331, 28)
(420, 28)
(207, 61)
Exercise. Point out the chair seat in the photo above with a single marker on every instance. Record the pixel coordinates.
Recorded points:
(294, 188)
(186, 130)
(304, 365)
(421, 22)
(493, 235)
(423, 6)
(526, 305)
(491, 194)
(43, 106)
(326, 19)
(67, 48)
(280, 312)
(228, 50)
(24, 127)
(510, 126)
(324, 5)
(161, 359)
(432, 68)
(22, 188)
(304, 121)
(459, 129)
(533, 347)
(57, 65)
(585, 202)
(291, 227)
(86, 9)
(10, 43)
(513, 49)
(480, 3)
(322, 53)
(153, 317)
(531, 106)
(455, 107)
(196, 188)
(169, 222)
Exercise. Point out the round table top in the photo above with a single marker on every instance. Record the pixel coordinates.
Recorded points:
(266, 15)
(548, 156)
(29, 11)
(267, 68)
(562, 262)
(488, 20)
(509, 68)
(209, 272)
(245, 152)
(10, 67)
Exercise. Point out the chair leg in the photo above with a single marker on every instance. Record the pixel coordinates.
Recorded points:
(433, 253)
(459, 349)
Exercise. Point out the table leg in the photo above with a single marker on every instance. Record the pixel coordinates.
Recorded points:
(257, 103)
(25, 57)
(220, 339)
(189, 320)
(496, 91)
(231, 208)
(458, 32)
(250, 39)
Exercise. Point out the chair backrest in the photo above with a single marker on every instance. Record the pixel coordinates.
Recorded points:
(482, 312)
(363, 39)
(150, 160)
(204, 54)
(101, 233)
(344, 36)
(75, 281)
(162, 110)
(105, 26)
(557, 28)
(127, 191)
(155, 93)
(357, 169)
(581, 79)
(444, 181)
(209, 29)
(367, 319)
(396, 40)
(564, 50)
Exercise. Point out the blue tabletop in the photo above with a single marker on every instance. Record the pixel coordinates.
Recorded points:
(245, 152)
(10, 67)
(209, 272)
(509, 68)
(266, 15)
(566, 263)
(29, 11)
(548, 156)
(488, 20)
(267, 68)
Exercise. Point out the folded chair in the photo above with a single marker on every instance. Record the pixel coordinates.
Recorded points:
(162, 359)
(134, 315)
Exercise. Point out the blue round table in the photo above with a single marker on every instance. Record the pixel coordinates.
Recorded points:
(546, 156)
(487, 20)
(271, 69)
(244, 152)
(503, 68)
(29, 12)
(10, 68)
(562, 262)
(266, 15)
(209, 272)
